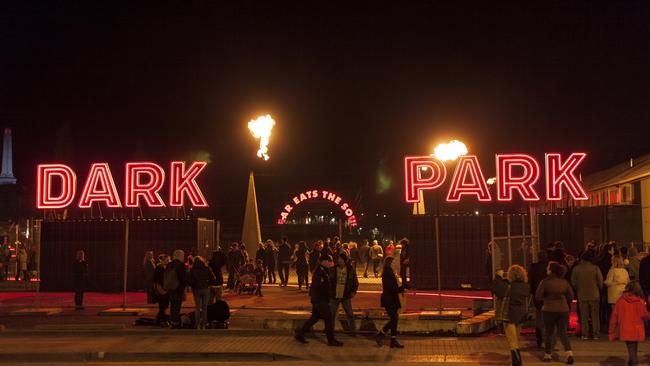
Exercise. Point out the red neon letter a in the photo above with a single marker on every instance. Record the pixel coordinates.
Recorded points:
(44, 197)
(183, 182)
(560, 174)
(506, 183)
(99, 175)
(478, 187)
(413, 181)
(148, 190)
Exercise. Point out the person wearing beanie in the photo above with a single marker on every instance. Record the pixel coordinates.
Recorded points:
(320, 298)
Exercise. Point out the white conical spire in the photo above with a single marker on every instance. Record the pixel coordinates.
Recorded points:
(6, 174)
(251, 235)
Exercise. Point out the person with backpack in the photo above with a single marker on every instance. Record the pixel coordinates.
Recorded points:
(627, 320)
(175, 283)
(160, 294)
(200, 278)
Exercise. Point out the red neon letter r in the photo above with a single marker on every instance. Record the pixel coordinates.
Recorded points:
(506, 183)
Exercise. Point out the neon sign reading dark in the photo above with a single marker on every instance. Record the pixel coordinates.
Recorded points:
(142, 184)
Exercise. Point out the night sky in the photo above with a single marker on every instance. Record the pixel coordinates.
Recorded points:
(352, 93)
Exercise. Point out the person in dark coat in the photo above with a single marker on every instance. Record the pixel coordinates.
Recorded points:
(405, 261)
(302, 267)
(644, 275)
(80, 279)
(515, 315)
(320, 309)
(284, 262)
(556, 293)
(200, 278)
(259, 256)
(175, 284)
(343, 287)
(160, 294)
(216, 264)
(235, 260)
(314, 255)
(148, 268)
(390, 300)
(269, 261)
(536, 273)
(498, 287)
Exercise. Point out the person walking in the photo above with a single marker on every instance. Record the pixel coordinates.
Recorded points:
(376, 254)
(79, 278)
(302, 267)
(314, 255)
(284, 260)
(364, 254)
(343, 287)
(200, 278)
(148, 271)
(174, 282)
(627, 320)
(216, 264)
(405, 261)
(556, 293)
(536, 273)
(355, 258)
(319, 293)
(515, 309)
(269, 261)
(160, 294)
(587, 282)
(390, 301)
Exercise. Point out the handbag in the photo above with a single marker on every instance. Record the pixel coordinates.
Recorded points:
(505, 306)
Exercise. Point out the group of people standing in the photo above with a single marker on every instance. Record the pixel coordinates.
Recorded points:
(334, 283)
(25, 261)
(606, 281)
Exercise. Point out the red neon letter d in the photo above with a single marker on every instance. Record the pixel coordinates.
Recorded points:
(44, 197)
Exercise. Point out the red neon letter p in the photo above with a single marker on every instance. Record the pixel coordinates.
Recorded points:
(44, 197)
(413, 180)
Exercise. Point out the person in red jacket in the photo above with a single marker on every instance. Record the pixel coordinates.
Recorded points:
(627, 320)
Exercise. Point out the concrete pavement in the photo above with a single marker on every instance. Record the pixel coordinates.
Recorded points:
(192, 347)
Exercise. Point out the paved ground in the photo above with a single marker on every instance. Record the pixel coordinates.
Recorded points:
(192, 347)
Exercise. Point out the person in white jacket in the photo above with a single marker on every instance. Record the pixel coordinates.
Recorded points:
(617, 279)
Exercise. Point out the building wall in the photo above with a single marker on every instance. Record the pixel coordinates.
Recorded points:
(645, 210)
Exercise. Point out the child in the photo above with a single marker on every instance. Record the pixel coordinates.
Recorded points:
(627, 319)
(259, 277)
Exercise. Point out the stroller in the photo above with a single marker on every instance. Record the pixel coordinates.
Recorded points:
(245, 280)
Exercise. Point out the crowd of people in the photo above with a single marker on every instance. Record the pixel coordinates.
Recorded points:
(21, 257)
(609, 283)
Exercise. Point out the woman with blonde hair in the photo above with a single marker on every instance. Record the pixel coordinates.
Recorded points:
(617, 279)
(515, 308)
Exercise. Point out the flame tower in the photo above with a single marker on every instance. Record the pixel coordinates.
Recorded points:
(7, 175)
